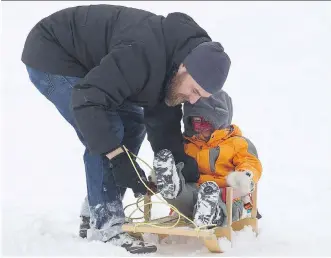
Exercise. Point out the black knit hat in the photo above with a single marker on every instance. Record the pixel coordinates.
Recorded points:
(209, 66)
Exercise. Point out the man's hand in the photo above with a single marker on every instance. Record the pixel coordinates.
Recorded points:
(241, 181)
(125, 174)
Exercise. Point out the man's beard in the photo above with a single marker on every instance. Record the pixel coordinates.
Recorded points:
(173, 98)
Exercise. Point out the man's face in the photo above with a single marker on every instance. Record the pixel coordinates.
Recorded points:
(184, 88)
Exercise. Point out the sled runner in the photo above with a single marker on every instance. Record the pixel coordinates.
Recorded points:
(171, 225)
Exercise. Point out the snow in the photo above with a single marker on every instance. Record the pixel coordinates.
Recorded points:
(280, 86)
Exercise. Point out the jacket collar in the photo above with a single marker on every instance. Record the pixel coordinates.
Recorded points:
(216, 138)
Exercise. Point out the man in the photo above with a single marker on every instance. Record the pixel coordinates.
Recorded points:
(114, 73)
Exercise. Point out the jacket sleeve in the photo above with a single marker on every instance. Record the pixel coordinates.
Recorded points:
(163, 126)
(246, 158)
(121, 74)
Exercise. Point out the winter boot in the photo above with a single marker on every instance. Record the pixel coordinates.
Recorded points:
(84, 226)
(206, 206)
(220, 216)
(132, 244)
(167, 179)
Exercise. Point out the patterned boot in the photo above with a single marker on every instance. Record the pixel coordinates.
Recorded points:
(167, 179)
(206, 206)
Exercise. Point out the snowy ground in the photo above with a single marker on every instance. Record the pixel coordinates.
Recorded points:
(280, 84)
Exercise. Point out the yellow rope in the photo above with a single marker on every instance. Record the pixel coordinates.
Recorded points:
(197, 228)
(140, 199)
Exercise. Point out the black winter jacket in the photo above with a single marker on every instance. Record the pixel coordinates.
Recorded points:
(121, 54)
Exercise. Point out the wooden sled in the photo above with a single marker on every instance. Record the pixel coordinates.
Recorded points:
(208, 236)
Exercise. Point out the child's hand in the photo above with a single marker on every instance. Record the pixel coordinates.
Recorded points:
(241, 181)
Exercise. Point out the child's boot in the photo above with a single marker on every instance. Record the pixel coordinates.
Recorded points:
(167, 178)
(206, 206)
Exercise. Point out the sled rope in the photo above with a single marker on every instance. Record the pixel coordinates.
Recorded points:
(162, 201)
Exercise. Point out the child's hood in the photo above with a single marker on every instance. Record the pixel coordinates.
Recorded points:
(217, 109)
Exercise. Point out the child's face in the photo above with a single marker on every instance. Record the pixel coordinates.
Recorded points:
(202, 127)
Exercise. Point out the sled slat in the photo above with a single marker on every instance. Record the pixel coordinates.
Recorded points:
(179, 231)
(168, 221)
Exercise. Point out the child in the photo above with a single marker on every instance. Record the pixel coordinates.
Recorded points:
(224, 156)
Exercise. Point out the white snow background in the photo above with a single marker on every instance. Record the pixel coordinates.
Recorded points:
(280, 83)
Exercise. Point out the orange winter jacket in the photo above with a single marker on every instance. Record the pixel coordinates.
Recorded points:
(226, 151)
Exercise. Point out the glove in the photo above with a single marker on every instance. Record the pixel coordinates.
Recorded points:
(125, 175)
(242, 182)
(190, 170)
